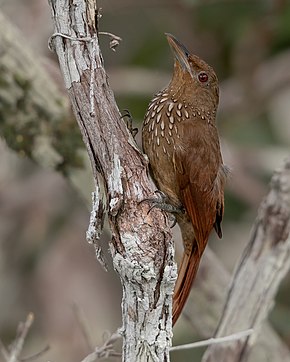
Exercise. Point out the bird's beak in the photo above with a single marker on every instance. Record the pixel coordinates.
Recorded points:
(180, 52)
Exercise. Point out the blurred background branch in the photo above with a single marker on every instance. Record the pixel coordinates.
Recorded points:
(205, 309)
(262, 266)
(36, 120)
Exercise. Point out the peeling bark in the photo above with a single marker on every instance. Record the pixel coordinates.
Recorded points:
(141, 247)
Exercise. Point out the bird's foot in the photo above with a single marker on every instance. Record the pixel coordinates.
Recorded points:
(129, 122)
(162, 202)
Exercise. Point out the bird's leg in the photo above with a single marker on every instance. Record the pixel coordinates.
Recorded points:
(129, 122)
(162, 202)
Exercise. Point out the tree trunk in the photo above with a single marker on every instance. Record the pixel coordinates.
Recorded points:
(141, 246)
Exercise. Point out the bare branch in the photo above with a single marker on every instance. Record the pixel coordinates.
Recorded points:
(205, 306)
(114, 39)
(13, 354)
(210, 341)
(263, 265)
(36, 355)
(4, 351)
(104, 351)
(23, 329)
(80, 317)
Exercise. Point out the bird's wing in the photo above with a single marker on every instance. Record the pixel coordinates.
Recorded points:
(200, 176)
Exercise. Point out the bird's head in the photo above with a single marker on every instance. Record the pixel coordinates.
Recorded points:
(193, 75)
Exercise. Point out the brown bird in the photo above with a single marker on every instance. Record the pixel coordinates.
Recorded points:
(181, 140)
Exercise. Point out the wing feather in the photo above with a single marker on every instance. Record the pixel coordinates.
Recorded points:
(200, 176)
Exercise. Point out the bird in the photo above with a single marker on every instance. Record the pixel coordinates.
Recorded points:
(181, 141)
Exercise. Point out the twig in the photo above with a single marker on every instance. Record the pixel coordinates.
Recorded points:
(207, 342)
(17, 345)
(104, 351)
(19, 342)
(114, 41)
(80, 317)
(4, 351)
(36, 355)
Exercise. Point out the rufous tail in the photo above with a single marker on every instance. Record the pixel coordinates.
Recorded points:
(186, 275)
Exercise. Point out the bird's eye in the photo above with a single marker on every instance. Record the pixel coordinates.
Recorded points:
(203, 77)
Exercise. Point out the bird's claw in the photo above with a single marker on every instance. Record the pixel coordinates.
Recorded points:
(129, 123)
(163, 203)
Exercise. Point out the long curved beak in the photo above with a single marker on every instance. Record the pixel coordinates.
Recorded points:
(180, 52)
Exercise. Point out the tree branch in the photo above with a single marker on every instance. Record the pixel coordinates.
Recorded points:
(263, 265)
(205, 305)
(105, 351)
(210, 341)
(141, 246)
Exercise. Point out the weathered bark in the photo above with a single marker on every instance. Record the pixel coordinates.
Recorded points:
(263, 265)
(141, 246)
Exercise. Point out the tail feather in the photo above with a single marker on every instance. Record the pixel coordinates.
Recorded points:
(186, 275)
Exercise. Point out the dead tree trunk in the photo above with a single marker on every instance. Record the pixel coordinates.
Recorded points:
(141, 245)
(263, 265)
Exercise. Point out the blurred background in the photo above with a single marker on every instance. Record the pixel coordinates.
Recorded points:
(46, 265)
